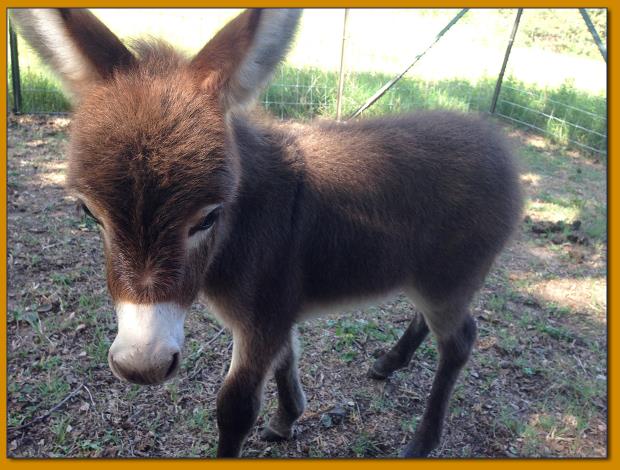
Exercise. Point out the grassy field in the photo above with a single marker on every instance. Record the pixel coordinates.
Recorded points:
(536, 385)
(557, 84)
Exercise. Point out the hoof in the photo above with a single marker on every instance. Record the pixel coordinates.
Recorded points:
(386, 364)
(383, 367)
(270, 435)
(407, 453)
(416, 450)
(373, 373)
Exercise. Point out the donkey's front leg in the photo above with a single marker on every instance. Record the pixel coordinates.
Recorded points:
(291, 398)
(239, 399)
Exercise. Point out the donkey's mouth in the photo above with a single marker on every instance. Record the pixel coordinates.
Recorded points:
(145, 375)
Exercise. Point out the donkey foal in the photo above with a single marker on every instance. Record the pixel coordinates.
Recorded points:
(268, 222)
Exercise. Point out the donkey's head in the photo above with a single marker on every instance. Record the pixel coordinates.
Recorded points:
(152, 160)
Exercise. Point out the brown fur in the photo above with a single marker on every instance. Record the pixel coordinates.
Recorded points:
(97, 42)
(216, 61)
(311, 215)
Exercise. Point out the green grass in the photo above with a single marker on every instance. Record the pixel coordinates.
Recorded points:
(562, 95)
(363, 446)
(519, 101)
(53, 389)
(554, 61)
(40, 93)
(350, 333)
(305, 93)
(97, 350)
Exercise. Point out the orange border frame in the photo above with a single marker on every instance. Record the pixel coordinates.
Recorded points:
(613, 170)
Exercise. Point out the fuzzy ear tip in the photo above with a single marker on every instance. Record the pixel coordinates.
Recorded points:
(286, 15)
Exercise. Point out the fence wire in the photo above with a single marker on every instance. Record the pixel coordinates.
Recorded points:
(379, 44)
(557, 125)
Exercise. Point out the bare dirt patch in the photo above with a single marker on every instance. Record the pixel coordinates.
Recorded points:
(536, 384)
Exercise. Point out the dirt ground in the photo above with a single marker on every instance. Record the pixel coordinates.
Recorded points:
(536, 385)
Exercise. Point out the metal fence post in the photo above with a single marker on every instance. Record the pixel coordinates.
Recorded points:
(592, 29)
(500, 78)
(15, 77)
(392, 82)
(341, 76)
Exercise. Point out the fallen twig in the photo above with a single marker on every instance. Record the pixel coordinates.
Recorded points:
(197, 370)
(48, 412)
(217, 335)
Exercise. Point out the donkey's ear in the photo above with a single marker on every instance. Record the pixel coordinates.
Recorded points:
(78, 47)
(238, 62)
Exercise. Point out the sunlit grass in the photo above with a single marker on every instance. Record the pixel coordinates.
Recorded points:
(553, 212)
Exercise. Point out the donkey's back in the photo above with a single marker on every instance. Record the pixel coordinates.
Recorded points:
(425, 199)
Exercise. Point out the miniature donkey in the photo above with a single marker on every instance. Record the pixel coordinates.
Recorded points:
(266, 222)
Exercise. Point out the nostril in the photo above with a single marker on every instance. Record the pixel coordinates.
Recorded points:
(112, 363)
(173, 365)
(155, 369)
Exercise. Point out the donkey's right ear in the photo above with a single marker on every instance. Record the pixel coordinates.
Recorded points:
(74, 43)
(237, 63)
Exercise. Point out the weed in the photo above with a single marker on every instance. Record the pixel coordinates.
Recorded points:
(199, 419)
(496, 303)
(90, 303)
(508, 420)
(556, 332)
(556, 310)
(61, 279)
(53, 389)
(133, 392)
(173, 391)
(60, 428)
(428, 350)
(97, 348)
(409, 424)
(364, 447)
(48, 363)
(88, 445)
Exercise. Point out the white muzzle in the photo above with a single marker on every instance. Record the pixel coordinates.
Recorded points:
(147, 348)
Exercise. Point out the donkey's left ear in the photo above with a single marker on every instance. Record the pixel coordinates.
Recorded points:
(239, 61)
(74, 43)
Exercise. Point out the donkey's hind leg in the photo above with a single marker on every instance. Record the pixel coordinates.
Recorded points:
(291, 398)
(401, 353)
(455, 345)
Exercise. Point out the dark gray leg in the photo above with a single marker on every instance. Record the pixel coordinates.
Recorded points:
(400, 355)
(238, 404)
(454, 352)
(239, 400)
(291, 398)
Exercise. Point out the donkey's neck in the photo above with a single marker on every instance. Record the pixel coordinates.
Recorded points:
(261, 222)
(270, 157)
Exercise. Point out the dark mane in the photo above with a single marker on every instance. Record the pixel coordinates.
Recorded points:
(157, 56)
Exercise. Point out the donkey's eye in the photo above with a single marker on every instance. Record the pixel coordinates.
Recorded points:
(89, 214)
(207, 222)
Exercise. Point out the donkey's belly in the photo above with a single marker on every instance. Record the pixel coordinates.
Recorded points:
(315, 309)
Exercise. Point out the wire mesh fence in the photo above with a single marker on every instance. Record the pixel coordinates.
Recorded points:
(560, 93)
(556, 119)
(300, 93)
